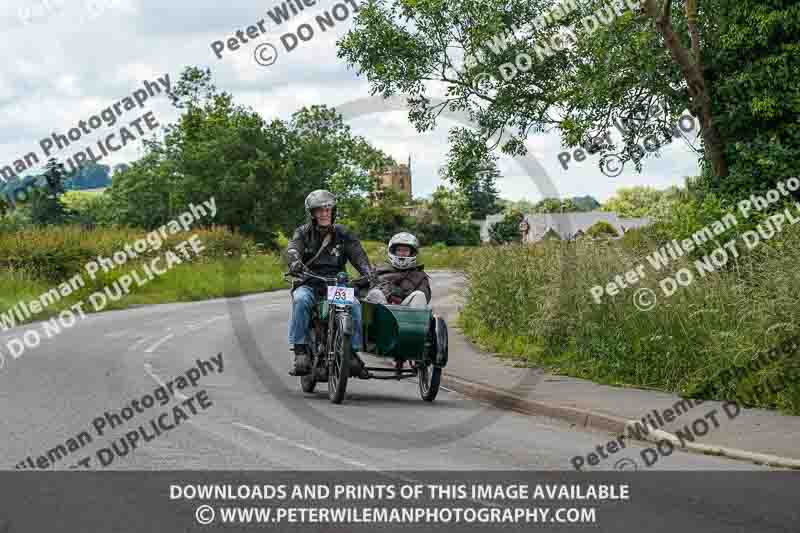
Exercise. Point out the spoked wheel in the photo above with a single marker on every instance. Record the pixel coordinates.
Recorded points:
(339, 367)
(429, 377)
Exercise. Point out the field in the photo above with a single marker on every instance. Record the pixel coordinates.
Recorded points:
(34, 261)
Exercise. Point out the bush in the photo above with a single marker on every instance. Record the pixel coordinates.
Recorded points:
(507, 230)
(452, 234)
(16, 220)
(90, 208)
(601, 229)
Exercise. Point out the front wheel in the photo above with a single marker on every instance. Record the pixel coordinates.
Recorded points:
(339, 366)
(429, 377)
(309, 382)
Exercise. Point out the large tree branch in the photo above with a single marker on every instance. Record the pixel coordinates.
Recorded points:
(691, 17)
(693, 75)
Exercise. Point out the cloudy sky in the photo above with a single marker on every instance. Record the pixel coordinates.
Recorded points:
(66, 60)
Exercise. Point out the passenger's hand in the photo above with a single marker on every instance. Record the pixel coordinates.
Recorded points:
(373, 278)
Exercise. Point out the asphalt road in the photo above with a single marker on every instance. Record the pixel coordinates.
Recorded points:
(258, 417)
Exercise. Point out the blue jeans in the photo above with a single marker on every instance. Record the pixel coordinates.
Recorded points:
(303, 300)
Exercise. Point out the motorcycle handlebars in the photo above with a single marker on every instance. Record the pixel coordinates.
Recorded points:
(328, 281)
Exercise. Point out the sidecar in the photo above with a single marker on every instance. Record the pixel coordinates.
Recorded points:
(414, 339)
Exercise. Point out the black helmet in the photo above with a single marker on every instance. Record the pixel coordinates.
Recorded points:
(320, 198)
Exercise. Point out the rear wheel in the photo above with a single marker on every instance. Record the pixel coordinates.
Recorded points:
(339, 367)
(429, 377)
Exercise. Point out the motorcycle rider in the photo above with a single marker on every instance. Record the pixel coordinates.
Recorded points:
(323, 248)
(402, 281)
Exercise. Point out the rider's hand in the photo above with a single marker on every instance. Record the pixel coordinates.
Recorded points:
(296, 265)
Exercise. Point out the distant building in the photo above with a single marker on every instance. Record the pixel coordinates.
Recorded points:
(397, 177)
(565, 226)
(571, 225)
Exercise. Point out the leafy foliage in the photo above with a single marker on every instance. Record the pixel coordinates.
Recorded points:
(259, 172)
(507, 230)
(442, 220)
(555, 205)
(601, 229)
(640, 201)
(481, 194)
(46, 207)
(734, 66)
(90, 208)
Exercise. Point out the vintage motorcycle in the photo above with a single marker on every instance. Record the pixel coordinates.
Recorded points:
(402, 334)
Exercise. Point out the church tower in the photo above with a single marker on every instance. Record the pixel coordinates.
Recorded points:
(397, 177)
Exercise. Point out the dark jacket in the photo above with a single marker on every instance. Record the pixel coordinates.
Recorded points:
(344, 247)
(396, 284)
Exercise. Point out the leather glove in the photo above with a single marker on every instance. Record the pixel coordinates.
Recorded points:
(373, 278)
(296, 265)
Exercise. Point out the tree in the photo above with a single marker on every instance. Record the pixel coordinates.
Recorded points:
(449, 206)
(555, 205)
(336, 159)
(585, 203)
(481, 193)
(641, 201)
(523, 206)
(46, 206)
(732, 63)
(259, 172)
(381, 220)
(507, 230)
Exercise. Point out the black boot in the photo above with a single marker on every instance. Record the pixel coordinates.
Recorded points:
(302, 361)
(357, 368)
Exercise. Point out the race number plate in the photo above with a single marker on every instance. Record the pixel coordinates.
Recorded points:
(341, 295)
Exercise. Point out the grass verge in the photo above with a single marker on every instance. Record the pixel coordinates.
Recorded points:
(709, 339)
